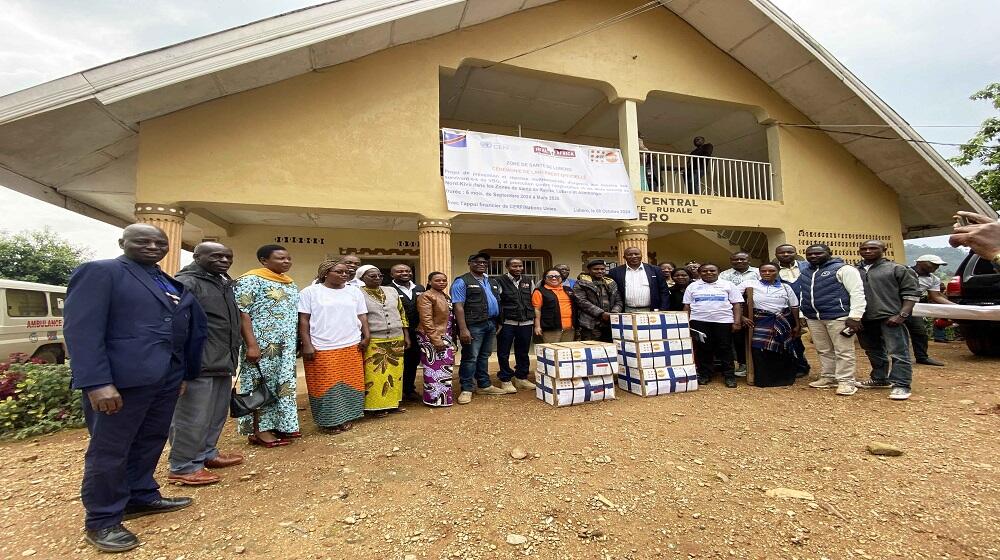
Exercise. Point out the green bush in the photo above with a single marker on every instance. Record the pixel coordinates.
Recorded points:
(41, 400)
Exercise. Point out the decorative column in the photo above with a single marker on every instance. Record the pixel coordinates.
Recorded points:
(633, 236)
(171, 220)
(435, 247)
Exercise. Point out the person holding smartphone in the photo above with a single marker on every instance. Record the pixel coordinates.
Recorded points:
(832, 298)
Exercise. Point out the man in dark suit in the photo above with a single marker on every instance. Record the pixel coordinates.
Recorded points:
(134, 335)
(402, 280)
(642, 287)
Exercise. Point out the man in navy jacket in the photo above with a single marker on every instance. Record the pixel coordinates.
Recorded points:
(641, 286)
(134, 336)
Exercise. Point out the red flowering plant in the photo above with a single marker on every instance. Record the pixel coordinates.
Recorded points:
(36, 398)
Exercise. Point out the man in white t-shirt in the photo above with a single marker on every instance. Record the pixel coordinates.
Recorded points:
(930, 292)
(713, 306)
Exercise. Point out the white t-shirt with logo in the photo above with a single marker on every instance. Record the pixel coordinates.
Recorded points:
(712, 303)
(333, 315)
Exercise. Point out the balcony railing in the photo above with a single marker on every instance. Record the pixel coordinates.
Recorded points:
(711, 176)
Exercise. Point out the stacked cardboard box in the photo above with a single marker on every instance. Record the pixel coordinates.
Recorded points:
(569, 373)
(655, 353)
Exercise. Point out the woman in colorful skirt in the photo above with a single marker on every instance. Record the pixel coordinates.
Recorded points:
(775, 324)
(390, 337)
(268, 300)
(333, 320)
(436, 334)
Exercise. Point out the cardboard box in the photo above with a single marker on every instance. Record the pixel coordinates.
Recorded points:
(568, 360)
(654, 325)
(567, 392)
(655, 353)
(658, 381)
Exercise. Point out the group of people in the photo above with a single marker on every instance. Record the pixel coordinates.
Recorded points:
(154, 355)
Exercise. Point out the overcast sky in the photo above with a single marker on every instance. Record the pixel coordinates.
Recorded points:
(923, 57)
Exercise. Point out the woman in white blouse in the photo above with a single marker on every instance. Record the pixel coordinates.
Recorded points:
(774, 321)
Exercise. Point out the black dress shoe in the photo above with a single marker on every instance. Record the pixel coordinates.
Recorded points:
(730, 382)
(163, 505)
(930, 362)
(704, 380)
(112, 539)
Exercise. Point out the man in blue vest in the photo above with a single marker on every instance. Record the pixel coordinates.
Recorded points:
(476, 299)
(832, 298)
(135, 335)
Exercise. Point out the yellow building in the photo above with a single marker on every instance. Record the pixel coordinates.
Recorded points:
(320, 130)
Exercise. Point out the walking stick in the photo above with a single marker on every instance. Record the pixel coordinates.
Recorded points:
(747, 337)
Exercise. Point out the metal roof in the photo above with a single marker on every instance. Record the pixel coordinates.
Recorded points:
(73, 141)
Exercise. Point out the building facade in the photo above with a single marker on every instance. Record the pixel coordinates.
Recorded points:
(339, 152)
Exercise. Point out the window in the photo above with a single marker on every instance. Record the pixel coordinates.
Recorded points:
(56, 304)
(26, 303)
(532, 267)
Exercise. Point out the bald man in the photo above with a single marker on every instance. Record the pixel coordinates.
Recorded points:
(202, 410)
(135, 335)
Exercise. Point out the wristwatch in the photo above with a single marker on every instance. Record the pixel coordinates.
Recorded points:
(904, 314)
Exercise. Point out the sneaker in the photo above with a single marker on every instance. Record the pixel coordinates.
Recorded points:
(524, 384)
(823, 383)
(491, 390)
(874, 384)
(465, 397)
(741, 371)
(930, 362)
(899, 393)
(507, 387)
(846, 389)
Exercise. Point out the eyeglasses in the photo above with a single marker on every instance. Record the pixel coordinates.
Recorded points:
(553, 276)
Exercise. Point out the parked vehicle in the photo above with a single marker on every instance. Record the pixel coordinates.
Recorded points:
(32, 321)
(976, 282)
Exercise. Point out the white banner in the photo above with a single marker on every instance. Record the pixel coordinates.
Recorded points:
(493, 174)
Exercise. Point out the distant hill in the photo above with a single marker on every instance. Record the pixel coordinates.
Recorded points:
(951, 255)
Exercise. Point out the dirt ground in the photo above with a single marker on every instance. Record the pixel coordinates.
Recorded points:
(679, 476)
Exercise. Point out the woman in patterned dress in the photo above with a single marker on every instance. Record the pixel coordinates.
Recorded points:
(333, 320)
(436, 334)
(390, 337)
(268, 301)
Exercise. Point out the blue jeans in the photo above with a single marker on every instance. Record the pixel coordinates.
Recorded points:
(518, 336)
(474, 369)
(888, 350)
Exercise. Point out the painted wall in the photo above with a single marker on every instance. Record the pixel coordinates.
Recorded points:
(329, 139)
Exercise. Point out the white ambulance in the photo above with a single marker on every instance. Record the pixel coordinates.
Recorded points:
(32, 321)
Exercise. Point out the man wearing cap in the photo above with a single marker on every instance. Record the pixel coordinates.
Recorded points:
(476, 300)
(596, 297)
(930, 292)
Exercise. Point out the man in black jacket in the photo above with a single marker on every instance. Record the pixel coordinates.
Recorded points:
(402, 280)
(203, 408)
(518, 326)
(642, 287)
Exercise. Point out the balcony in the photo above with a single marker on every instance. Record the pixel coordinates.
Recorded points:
(710, 176)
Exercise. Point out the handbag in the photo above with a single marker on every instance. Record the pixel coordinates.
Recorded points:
(243, 404)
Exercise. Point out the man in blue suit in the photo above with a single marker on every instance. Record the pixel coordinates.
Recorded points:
(642, 287)
(134, 336)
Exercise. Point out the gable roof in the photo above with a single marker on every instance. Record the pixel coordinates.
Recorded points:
(73, 141)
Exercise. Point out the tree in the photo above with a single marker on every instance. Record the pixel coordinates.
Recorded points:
(39, 256)
(984, 149)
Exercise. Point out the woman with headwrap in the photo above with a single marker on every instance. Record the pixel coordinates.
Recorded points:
(333, 322)
(390, 337)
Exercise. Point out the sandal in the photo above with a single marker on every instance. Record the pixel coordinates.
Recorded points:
(254, 440)
(287, 435)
